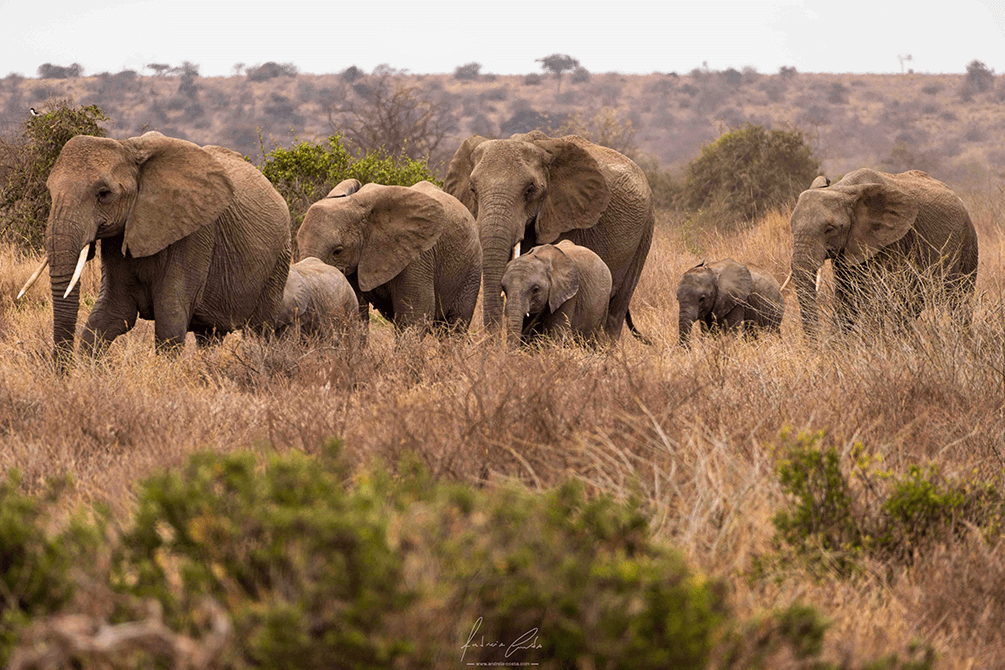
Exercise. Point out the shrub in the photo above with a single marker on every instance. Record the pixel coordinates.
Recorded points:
(36, 566)
(351, 74)
(24, 199)
(748, 171)
(979, 78)
(580, 75)
(835, 521)
(607, 127)
(467, 72)
(305, 172)
(532, 79)
(787, 71)
(50, 71)
(271, 70)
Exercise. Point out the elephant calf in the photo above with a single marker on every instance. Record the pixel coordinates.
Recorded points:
(413, 253)
(556, 289)
(728, 295)
(317, 300)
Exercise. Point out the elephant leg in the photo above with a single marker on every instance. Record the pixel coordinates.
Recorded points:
(413, 298)
(618, 306)
(106, 322)
(206, 337)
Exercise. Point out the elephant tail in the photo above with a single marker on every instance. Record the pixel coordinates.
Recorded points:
(635, 331)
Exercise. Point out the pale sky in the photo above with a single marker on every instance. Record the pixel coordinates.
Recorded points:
(505, 36)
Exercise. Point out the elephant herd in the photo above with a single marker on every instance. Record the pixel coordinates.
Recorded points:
(196, 239)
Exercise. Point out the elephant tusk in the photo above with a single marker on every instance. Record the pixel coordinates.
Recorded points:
(527, 315)
(820, 276)
(516, 251)
(786, 282)
(33, 278)
(77, 271)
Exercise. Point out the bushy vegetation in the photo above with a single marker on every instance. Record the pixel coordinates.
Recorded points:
(270, 70)
(468, 71)
(307, 171)
(748, 171)
(318, 567)
(24, 199)
(839, 515)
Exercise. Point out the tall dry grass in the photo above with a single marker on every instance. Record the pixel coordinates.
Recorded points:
(693, 432)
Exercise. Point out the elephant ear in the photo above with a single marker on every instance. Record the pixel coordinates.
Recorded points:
(181, 188)
(458, 180)
(577, 191)
(562, 274)
(820, 182)
(882, 214)
(344, 188)
(734, 284)
(399, 224)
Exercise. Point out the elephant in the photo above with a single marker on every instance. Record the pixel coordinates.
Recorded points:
(194, 238)
(875, 227)
(729, 296)
(531, 189)
(411, 252)
(556, 289)
(317, 300)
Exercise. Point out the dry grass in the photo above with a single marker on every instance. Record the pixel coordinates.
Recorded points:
(693, 431)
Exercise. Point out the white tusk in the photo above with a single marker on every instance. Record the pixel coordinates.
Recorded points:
(820, 274)
(34, 277)
(786, 282)
(516, 251)
(77, 271)
(527, 315)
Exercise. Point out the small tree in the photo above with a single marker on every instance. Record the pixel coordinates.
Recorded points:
(24, 200)
(352, 73)
(160, 69)
(979, 77)
(748, 171)
(467, 71)
(904, 58)
(557, 64)
(393, 115)
(50, 71)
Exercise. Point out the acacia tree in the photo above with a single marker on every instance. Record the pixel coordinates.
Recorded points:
(393, 115)
(557, 64)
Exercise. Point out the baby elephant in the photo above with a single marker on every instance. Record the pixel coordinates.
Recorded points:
(317, 300)
(728, 295)
(562, 289)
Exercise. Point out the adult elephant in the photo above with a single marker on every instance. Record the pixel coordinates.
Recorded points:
(194, 238)
(872, 224)
(531, 189)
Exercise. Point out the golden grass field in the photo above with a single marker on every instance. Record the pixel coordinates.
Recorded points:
(694, 432)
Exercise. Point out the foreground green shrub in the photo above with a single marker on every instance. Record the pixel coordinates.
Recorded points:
(308, 170)
(747, 172)
(36, 565)
(25, 166)
(836, 519)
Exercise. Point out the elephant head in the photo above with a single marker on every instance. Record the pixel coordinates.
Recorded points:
(150, 190)
(541, 280)
(850, 220)
(709, 292)
(528, 188)
(374, 232)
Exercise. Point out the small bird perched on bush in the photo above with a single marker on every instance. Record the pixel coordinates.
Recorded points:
(33, 112)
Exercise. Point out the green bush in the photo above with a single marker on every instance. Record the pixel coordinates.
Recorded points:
(835, 519)
(24, 199)
(305, 172)
(749, 171)
(36, 565)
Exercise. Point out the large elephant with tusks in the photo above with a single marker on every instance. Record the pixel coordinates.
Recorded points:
(531, 189)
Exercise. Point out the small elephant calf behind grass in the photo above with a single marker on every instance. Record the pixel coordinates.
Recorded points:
(730, 296)
(561, 289)
(317, 300)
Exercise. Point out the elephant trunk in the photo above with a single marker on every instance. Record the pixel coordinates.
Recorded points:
(498, 235)
(685, 322)
(806, 262)
(63, 245)
(515, 312)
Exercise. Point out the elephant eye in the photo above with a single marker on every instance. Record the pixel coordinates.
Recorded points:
(536, 289)
(528, 192)
(104, 196)
(338, 250)
(829, 229)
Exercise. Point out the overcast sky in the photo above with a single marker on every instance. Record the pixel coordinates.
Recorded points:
(429, 37)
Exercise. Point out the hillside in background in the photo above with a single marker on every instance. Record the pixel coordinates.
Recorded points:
(950, 125)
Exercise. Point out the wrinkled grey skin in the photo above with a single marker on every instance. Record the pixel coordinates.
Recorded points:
(192, 237)
(412, 253)
(729, 296)
(556, 290)
(317, 300)
(871, 225)
(532, 189)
